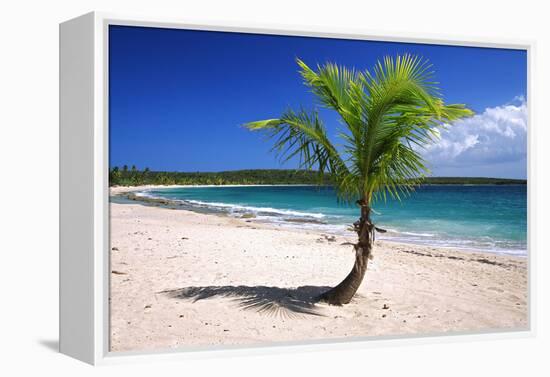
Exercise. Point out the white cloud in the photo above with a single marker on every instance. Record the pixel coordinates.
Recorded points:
(497, 135)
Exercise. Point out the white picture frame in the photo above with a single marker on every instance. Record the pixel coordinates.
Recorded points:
(84, 193)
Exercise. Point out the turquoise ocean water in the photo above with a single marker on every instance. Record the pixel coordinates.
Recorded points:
(479, 217)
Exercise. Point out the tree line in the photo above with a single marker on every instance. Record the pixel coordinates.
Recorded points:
(132, 176)
(125, 176)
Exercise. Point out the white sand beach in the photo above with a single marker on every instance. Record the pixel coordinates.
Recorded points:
(181, 279)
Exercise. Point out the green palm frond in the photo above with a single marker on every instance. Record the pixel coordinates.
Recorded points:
(389, 113)
(336, 88)
(303, 135)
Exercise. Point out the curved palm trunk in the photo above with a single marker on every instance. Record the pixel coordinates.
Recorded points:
(344, 292)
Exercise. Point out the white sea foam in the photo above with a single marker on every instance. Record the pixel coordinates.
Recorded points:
(483, 245)
(418, 234)
(146, 194)
(241, 208)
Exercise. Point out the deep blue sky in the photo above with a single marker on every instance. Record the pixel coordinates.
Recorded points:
(178, 97)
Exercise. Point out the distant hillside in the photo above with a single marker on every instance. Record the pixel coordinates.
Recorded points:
(133, 177)
(473, 181)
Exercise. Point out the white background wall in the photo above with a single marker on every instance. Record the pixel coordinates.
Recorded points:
(29, 182)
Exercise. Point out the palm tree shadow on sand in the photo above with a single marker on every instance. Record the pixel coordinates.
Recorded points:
(275, 301)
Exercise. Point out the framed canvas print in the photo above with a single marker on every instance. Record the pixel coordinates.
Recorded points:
(225, 187)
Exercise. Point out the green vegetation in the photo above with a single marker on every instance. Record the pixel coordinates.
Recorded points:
(118, 177)
(473, 181)
(385, 113)
(135, 177)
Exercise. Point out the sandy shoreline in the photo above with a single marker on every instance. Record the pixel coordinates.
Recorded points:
(127, 191)
(115, 190)
(181, 278)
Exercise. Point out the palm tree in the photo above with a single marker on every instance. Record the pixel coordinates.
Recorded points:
(388, 115)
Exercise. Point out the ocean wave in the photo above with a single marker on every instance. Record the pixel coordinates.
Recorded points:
(474, 244)
(333, 224)
(146, 194)
(236, 207)
(242, 208)
(412, 233)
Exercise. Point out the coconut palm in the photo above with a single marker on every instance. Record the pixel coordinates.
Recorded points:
(388, 115)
